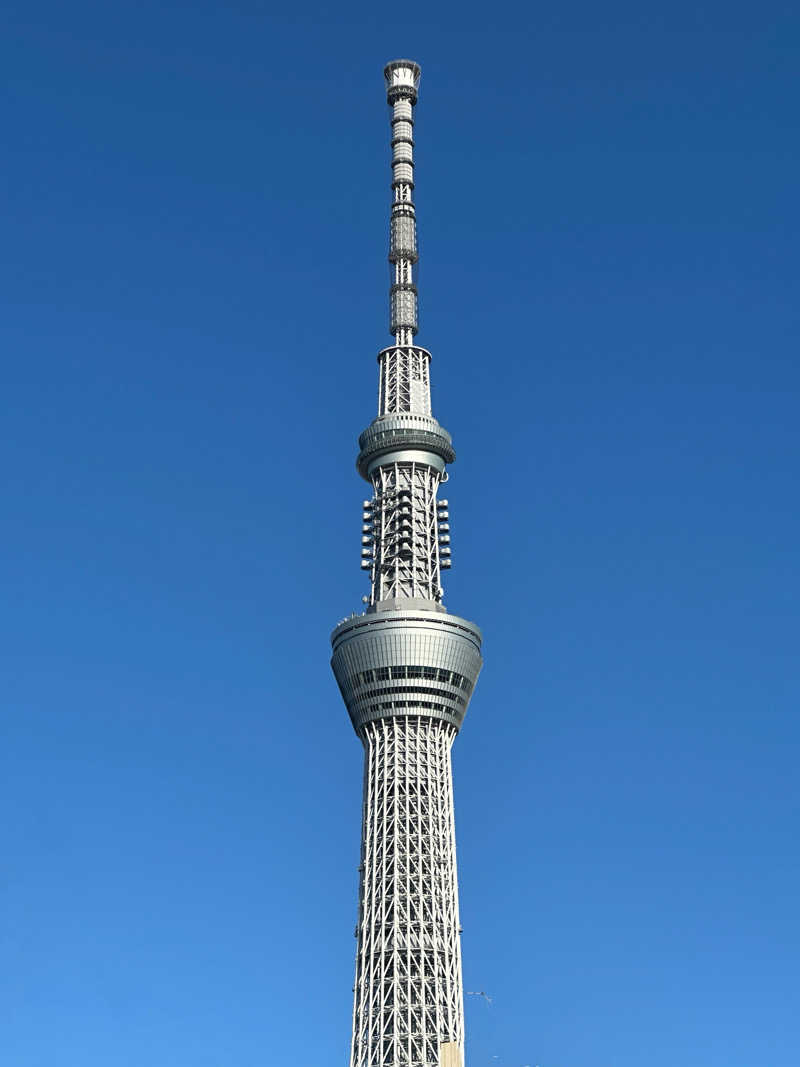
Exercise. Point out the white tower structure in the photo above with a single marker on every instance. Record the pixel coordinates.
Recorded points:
(406, 669)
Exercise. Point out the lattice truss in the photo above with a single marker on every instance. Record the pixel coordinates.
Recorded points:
(404, 532)
(408, 997)
(404, 382)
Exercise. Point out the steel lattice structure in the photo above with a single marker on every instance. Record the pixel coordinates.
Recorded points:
(406, 669)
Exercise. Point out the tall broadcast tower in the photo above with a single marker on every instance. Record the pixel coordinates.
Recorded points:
(406, 669)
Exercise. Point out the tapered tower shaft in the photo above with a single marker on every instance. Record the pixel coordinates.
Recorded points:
(406, 669)
(408, 967)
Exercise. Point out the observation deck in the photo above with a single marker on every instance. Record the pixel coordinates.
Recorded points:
(406, 661)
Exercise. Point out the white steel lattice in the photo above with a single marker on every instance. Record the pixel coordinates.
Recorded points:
(404, 381)
(408, 993)
(404, 531)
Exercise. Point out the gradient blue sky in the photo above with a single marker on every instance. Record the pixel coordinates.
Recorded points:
(194, 289)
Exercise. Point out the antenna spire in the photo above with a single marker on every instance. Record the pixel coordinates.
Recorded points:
(402, 86)
(405, 367)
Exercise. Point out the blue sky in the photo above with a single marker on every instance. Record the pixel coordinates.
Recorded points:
(194, 289)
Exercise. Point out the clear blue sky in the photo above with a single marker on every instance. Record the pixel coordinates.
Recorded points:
(194, 289)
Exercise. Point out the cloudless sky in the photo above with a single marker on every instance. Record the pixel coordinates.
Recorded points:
(194, 288)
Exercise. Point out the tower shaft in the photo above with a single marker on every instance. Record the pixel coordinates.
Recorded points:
(406, 669)
(408, 966)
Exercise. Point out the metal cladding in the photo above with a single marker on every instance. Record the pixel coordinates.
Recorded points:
(403, 234)
(406, 670)
(406, 662)
(418, 433)
(403, 304)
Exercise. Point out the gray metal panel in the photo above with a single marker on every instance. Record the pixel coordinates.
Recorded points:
(403, 307)
(374, 643)
(402, 237)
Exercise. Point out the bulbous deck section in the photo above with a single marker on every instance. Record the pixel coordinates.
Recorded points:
(404, 433)
(406, 663)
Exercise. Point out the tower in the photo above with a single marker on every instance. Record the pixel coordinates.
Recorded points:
(406, 669)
